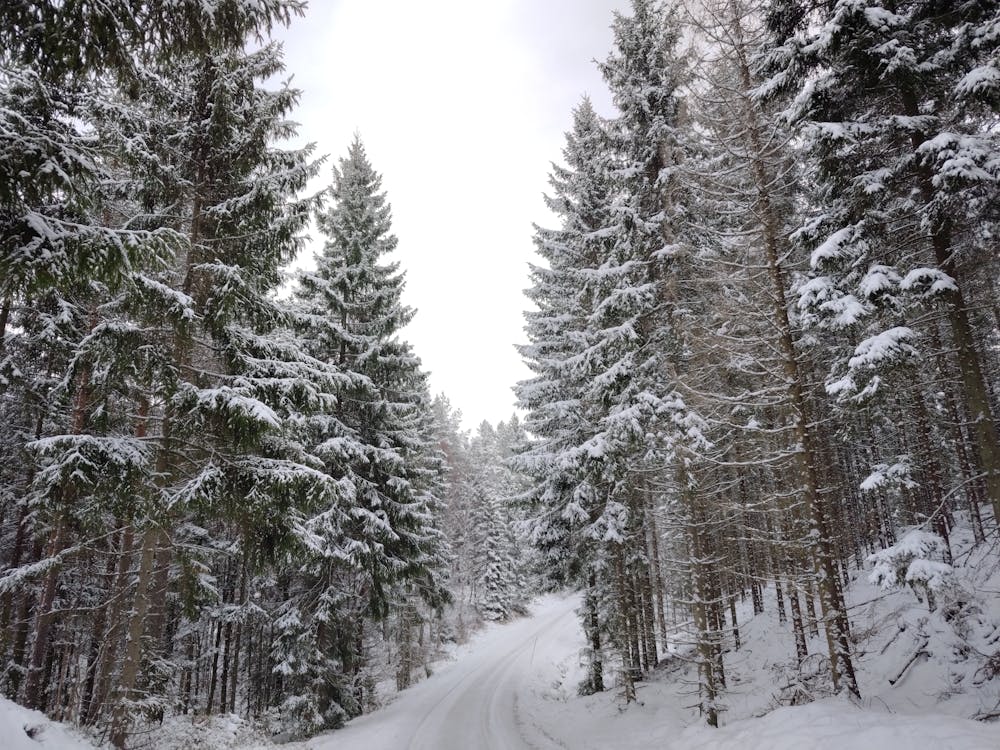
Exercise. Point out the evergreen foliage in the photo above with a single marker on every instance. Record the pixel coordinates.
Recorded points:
(758, 316)
(763, 348)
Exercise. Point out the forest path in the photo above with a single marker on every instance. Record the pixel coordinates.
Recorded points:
(476, 701)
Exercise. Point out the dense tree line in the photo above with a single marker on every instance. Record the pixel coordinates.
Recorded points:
(764, 343)
(214, 498)
(765, 330)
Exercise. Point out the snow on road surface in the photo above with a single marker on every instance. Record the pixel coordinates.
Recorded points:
(512, 687)
(474, 702)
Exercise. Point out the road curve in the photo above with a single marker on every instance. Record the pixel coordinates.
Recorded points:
(469, 703)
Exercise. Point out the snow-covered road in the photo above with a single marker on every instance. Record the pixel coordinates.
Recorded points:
(473, 702)
(513, 687)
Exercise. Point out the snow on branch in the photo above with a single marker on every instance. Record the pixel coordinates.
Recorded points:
(909, 562)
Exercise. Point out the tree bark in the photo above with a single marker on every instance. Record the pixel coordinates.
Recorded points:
(820, 541)
(121, 719)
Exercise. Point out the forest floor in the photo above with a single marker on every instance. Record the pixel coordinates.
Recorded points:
(923, 677)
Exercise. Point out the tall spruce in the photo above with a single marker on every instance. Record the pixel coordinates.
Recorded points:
(383, 547)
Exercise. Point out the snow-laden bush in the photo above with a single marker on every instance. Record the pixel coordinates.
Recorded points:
(910, 562)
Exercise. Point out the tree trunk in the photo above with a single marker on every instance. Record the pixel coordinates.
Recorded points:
(121, 718)
(592, 618)
(807, 457)
(623, 638)
(4, 317)
(98, 644)
(33, 697)
(657, 583)
(213, 681)
(974, 390)
(736, 626)
(57, 540)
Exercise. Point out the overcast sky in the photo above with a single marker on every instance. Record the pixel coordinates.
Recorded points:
(462, 105)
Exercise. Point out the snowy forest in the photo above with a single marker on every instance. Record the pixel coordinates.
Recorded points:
(761, 428)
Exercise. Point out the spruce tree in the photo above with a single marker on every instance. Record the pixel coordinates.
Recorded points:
(562, 502)
(176, 397)
(893, 103)
(381, 547)
(747, 186)
(352, 310)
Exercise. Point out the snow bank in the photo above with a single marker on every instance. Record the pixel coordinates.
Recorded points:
(229, 732)
(834, 724)
(24, 729)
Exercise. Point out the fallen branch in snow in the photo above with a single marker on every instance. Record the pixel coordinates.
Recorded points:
(988, 670)
(866, 602)
(984, 715)
(899, 631)
(916, 654)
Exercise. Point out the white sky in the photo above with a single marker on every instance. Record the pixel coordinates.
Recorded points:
(462, 105)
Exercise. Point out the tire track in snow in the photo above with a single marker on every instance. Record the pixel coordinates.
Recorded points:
(496, 727)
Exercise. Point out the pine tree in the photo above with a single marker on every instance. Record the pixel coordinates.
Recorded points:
(646, 422)
(602, 339)
(353, 301)
(562, 501)
(496, 566)
(54, 172)
(175, 396)
(560, 338)
(218, 414)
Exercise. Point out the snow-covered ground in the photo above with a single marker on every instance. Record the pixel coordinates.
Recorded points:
(832, 724)
(514, 687)
(488, 697)
(23, 729)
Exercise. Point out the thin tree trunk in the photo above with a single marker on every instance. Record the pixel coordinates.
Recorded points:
(624, 641)
(658, 587)
(974, 390)
(57, 540)
(807, 456)
(97, 640)
(704, 642)
(736, 626)
(33, 697)
(214, 679)
(596, 672)
(236, 648)
(19, 645)
(121, 719)
(4, 317)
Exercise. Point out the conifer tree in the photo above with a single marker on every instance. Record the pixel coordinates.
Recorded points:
(560, 337)
(354, 313)
(382, 547)
(747, 184)
(893, 103)
(55, 57)
(646, 421)
(216, 417)
(603, 335)
(562, 502)
(497, 565)
(175, 396)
